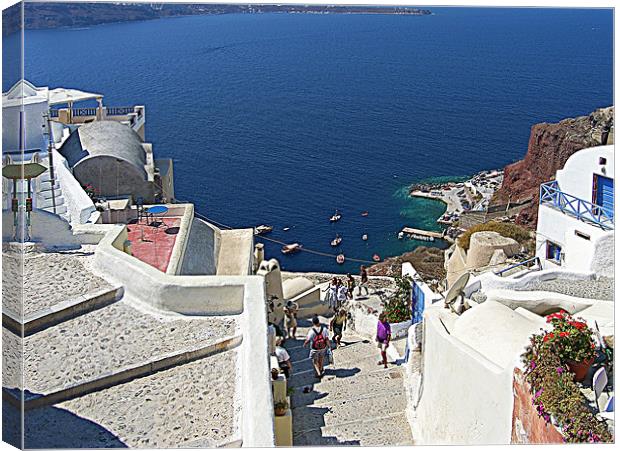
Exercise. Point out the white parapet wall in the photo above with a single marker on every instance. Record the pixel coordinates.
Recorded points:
(79, 204)
(186, 211)
(522, 282)
(463, 397)
(539, 302)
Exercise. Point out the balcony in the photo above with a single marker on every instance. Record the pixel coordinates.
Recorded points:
(129, 115)
(551, 196)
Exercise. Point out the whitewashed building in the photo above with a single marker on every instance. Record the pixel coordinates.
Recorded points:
(576, 214)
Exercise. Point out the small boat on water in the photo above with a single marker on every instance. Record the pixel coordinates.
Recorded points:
(336, 241)
(401, 235)
(376, 258)
(286, 229)
(415, 236)
(364, 213)
(291, 248)
(340, 259)
(364, 237)
(335, 217)
(262, 229)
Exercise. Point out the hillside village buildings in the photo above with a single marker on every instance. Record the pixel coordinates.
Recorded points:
(145, 325)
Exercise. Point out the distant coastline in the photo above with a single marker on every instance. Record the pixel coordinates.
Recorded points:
(61, 15)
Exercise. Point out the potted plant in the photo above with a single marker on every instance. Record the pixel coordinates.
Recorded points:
(275, 373)
(280, 408)
(571, 339)
(556, 397)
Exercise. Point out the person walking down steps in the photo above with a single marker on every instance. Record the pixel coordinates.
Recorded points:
(290, 319)
(363, 281)
(338, 324)
(341, 297)
(318, 340)
(384, 335)
(332, 292)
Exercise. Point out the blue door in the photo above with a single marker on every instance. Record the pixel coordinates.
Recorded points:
(417, 303)
(605, 194)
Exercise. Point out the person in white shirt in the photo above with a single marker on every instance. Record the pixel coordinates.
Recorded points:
(271, 338)
(284, 359)
(343, 292)
(332, 292)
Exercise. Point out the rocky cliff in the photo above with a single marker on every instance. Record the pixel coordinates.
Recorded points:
(549, 147)
(428, 262)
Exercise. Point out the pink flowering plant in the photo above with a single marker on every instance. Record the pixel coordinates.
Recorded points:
(555, 395)
(571, 338)
(90, 190)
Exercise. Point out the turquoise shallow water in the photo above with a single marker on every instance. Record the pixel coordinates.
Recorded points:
(280, 119)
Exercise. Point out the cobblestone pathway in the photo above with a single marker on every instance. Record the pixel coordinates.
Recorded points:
(356, 403)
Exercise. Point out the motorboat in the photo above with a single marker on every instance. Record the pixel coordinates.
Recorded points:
(340, 259)
(286, 229)
(291, 248)
(376, 258)
(262, 229)
(335, 217)
(364, 237)
(336, 241)
(364, 213)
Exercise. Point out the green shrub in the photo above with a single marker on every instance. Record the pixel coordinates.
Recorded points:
(506, 229)
(398, 307)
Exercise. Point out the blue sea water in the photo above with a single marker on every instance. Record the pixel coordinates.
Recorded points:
(280, 119)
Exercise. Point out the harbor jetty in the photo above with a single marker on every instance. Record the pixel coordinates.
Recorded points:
(473, 194)
(418, 234)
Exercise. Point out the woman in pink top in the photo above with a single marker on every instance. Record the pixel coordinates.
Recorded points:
(384, 334)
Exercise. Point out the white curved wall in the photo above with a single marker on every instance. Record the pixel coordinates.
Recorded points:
(577, 175)
(465, 398)
(78, 203)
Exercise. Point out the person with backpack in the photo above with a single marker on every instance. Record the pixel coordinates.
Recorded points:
(318, 340)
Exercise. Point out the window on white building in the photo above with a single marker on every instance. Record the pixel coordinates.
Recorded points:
(554, 252)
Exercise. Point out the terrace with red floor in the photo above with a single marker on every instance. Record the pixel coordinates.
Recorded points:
(152, 241)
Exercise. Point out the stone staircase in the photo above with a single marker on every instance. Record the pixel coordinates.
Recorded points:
(46, 196)
(356, 403)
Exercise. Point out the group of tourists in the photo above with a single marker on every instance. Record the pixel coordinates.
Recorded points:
(318, 337)
(321, 345)
(339, 291)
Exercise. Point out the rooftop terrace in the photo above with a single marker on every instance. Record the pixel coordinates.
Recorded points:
(153, 241)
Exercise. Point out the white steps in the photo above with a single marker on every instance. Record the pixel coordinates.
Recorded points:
(356, 403)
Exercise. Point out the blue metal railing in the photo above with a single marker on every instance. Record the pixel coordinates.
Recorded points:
(84, 112)
(551, 196)
(517, 265)
(119, 110)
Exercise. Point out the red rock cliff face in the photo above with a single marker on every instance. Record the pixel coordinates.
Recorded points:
(549, 147)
